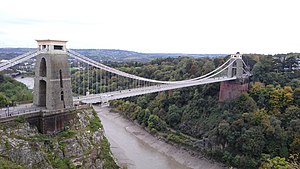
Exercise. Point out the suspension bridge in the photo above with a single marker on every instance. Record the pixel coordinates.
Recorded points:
(94, 82)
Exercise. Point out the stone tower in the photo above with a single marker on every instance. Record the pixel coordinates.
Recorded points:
(236, 69)
(52, 82)
(230, 90)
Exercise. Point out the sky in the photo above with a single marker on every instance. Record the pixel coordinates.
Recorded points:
(155, 26)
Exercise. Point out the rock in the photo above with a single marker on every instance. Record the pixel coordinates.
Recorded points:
(21, 143)
(99, 164)
(72, 148)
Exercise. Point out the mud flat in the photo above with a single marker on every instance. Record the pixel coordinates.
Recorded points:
(135, 148)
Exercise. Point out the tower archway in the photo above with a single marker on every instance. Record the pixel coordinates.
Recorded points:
(42, 93)
(43, 68)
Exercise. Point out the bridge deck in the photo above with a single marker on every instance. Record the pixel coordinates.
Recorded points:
(105, 97)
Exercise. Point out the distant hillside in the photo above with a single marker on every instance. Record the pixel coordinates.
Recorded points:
(108, 54)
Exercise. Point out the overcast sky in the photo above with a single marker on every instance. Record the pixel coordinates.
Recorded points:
(178, 26)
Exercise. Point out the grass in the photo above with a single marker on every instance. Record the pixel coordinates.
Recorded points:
(109, 162)
(95, 123)
(6, 164)
(62, 163)
(20, 119)
(65, 134)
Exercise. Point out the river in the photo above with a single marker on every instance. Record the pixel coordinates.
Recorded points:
(28, 81)
(137, 149)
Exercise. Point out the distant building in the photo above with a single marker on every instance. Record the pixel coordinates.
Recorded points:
(298, 66)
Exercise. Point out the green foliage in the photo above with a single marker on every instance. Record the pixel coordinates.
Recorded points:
(176, 138)
(20, 119)
(261, 124)
(109, 162)
(62, 163)
(296, 96)
(95, 123)
(281, 163)
(7, 145)
(174, 116)
(66, 134)
(277, 70)
(155, 122)
(12, 91)
(4, 100)
(6, 164)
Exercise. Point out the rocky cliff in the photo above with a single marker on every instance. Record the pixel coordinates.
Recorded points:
(81, 145)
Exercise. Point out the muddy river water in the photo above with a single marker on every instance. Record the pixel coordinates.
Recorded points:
(135, 148)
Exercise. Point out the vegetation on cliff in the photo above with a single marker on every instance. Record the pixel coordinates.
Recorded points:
(81, 145)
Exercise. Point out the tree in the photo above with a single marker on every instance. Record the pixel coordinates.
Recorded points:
(155, 122)
(142, 102)
(281, 163)
(252, 141)
(1, 78)
(287, 97)
(246, 103)
(295, 145)
(264, 66)
(296, 96)
(140, 114)
(173, 117)
(4, 101)
(275, 163)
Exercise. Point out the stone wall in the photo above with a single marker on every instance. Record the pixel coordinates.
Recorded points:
(55, 86)
(230, 90)
(47, 121)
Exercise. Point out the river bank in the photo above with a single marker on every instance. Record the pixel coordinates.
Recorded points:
(163, 154)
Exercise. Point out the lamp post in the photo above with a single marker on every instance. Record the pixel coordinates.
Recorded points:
(8, 110)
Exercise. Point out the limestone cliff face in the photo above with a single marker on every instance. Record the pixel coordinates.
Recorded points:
(81, 144)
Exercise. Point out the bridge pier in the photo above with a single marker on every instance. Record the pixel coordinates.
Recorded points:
(230, 90)
(48, 122)
(52, 123)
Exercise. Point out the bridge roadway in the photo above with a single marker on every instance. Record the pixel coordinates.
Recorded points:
(19, 109)
(105, 97)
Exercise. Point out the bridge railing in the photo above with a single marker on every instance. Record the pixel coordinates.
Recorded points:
(38, 112)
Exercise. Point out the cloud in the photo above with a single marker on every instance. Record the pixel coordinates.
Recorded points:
(29, 21)
(193, 26)
(2, 32)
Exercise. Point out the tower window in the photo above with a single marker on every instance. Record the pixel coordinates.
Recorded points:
(60, 78)
(62, 95)
(58, 47)
(43, 68)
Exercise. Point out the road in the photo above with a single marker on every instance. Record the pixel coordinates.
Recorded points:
(20, 109)
(105, 97)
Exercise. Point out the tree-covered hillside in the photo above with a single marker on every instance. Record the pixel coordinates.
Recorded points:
(12, 91)
(261, 128)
